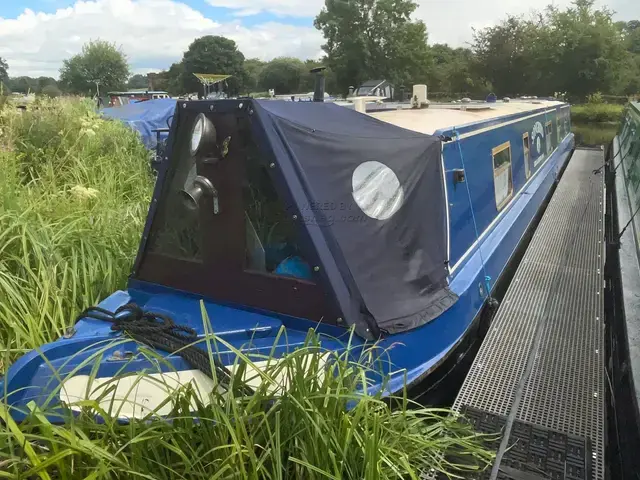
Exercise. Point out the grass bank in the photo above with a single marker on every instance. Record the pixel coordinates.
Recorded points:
(73, 198)
(596, 112)
(74, 193)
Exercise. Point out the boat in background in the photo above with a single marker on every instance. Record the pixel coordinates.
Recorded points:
(622, 309)
(118, 99)
(399, 224)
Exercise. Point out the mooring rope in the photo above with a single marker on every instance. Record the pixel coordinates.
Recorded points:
(159, 331)
(487, 278)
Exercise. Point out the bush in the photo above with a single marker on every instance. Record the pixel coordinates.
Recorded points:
(51, 91)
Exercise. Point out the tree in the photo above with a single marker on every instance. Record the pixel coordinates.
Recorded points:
(138, 81)
(307, 81)
(100, 62)
(4, 75)
(51, 91)
(4, 78)
(368, 39)
(252, 68)
(579, 50)
(282, 74)
(213, 54)
(453, 73)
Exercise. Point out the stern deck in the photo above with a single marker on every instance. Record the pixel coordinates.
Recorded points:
(539, 376)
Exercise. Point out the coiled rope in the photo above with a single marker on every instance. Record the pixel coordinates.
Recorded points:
(160, 332)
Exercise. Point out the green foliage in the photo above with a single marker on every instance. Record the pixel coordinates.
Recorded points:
(252, 68)
(213, 54)
(595, 98)
(30, 85)
(453, 73)
(596, 112)
(100, 62)
(169, 80)
(4, 75)
(138, 81)
(579, 51)
(74, 193)
(297, 425)
(368, 39)
(283, 74)
(307, 80)
(51, 91)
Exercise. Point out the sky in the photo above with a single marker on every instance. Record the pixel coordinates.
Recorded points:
(37, 35)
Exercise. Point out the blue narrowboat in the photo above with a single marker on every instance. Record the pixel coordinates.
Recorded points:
(398, 224)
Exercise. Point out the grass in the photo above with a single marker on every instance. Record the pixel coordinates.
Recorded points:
(303, 431)
(73, 198)
(74, 192)
(596, 112)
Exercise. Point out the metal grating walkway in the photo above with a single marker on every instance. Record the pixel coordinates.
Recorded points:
(542, 361)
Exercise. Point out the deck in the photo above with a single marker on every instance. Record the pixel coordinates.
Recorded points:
(539, 376)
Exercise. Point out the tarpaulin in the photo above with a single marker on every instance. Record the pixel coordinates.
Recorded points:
(144, 117)
(378, 194)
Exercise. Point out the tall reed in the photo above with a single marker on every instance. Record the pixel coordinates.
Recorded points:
(296, 425)
(74, 193)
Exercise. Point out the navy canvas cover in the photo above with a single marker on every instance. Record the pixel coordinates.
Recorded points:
(391, 244)
(144, 117)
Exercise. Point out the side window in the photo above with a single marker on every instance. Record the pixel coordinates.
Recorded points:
(527, 154)
(502, 177)
(177, 231)
(272, 243)
(548, 134)
(559, 129)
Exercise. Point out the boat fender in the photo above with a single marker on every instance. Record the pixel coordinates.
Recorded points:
(492, 307)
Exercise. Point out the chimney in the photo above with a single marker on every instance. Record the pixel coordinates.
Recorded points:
(318, 91)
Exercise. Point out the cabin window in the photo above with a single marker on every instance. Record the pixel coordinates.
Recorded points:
(272, 243)
(502, 177)
(548, 134)
(527, 154)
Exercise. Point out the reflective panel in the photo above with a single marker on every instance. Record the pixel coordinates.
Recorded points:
(377, 190)
(196, 137)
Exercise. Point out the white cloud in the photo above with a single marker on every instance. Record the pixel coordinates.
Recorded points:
(451, 21)
(294, 8)
(153, 34)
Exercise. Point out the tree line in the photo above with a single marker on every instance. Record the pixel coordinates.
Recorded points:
(575, 52)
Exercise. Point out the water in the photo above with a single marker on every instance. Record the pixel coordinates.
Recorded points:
(595, 133)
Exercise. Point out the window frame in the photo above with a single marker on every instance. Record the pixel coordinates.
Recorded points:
(526, 150)
(508, 166)
(221, 275)
(548, 133)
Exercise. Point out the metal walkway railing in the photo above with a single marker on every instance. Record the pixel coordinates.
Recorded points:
(539, 374)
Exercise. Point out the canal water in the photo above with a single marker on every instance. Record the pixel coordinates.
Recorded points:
(595, 133)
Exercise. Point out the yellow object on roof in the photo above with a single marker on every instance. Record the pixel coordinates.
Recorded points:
(210, 78)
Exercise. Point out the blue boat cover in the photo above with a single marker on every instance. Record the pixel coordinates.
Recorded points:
(375, 193)
(144, 117)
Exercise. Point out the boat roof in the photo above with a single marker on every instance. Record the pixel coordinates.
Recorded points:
(372, 83)
(445, 116)
(136, 91)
